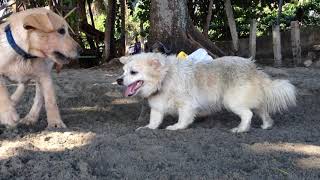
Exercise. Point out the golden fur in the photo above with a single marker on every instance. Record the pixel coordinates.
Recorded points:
(44, 34)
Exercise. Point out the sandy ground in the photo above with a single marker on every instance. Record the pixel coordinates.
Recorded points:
(101, 142)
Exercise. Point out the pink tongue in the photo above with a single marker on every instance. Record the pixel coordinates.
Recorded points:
(130, 89)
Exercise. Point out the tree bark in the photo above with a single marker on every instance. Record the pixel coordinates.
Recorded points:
(142, 35)
(232, 25)
(295, 43)
(123, 27)
(90, 31)
(253, 38)
(276, 37)
(279, 11)
(109, 30)
(170, 24)
(90, 13)
(208, 20)
(83, 19)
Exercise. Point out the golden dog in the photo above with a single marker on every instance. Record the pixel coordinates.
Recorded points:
(31, 42)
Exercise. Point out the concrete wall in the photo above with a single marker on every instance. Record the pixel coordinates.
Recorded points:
(309, 36)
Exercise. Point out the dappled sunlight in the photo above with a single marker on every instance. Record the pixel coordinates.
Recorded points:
(309, 163)
(46, 142)
(287, 147)
(304, 149)
(124, 101)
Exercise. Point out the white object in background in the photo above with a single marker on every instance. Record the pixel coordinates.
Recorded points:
(2, 12)
(131, 50)
(200, 55)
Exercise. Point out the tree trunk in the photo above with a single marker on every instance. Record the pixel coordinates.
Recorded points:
(232, 25)
(123, 28)
(109, 31)
(142, 36)
(279, 11)
(90, 13)
(170, 24)
(295, 43)
(277, 38)
(83, 19)
(93, 25)
(208, 20)
(253, 38)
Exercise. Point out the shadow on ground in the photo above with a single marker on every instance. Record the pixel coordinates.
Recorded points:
(101, 141)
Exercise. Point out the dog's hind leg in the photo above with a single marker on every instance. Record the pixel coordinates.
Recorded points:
(186, 117)
(240, 100)
(33, 116)
(16, 96)
(245, 115)
(8, 113)
(267, 121)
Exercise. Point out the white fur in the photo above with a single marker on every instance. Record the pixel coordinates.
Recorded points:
(195, 89)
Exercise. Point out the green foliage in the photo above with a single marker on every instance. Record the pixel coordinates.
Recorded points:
(138, 23)
(265, 12)
(99, 21)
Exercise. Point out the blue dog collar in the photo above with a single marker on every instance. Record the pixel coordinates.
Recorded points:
(15, 46)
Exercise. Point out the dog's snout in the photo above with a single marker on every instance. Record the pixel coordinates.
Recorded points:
(120, 81)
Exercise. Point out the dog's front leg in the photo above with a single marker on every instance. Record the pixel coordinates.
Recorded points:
(156, 118)
(186, 117)
(33, 116)
(53, 114)
(16, 96)
(144, 113)
(8, 113)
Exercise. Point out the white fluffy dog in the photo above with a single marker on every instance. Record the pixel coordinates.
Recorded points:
(197, 89)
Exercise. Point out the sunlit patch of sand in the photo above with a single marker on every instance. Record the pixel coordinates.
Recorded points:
(287, 147)
(304, 149)
(45, 141)
(309, 163)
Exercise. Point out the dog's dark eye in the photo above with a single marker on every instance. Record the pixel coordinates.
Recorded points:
(133, 72)
(62, 31)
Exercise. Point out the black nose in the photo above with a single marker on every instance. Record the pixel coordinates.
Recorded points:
(120, 81)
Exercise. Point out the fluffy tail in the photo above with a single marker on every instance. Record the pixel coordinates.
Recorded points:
(279, 95)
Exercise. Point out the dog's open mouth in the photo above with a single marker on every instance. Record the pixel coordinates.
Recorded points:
(133, 88)
(61, 58)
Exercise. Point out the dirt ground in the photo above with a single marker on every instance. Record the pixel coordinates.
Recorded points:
(101, 141)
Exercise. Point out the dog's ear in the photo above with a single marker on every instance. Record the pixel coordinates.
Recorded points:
(125, 59)
(155, 63)
(40, 22)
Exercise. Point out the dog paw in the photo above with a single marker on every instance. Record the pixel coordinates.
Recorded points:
(146, 127)
(239, 130)
(56, 125)
(140, 128)
(174, 127)
(266, 126)
(29, 120)
(9, 118)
